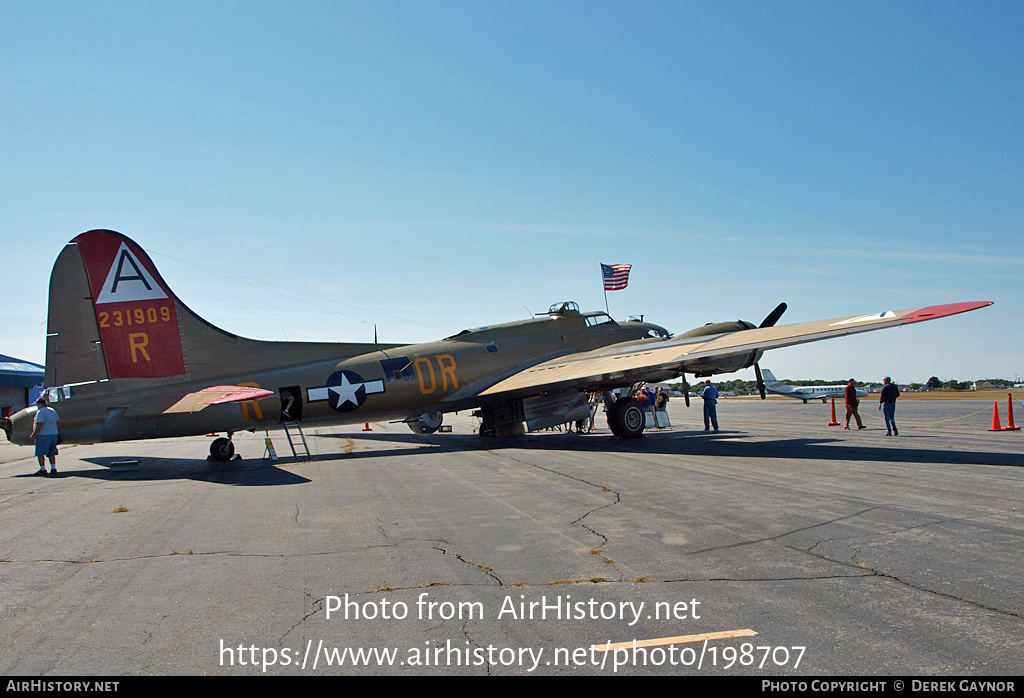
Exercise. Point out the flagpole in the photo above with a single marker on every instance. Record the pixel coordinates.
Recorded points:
(605, 287)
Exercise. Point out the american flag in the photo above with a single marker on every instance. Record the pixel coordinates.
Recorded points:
(616, 276)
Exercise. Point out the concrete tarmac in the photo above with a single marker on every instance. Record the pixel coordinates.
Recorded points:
(816, 551)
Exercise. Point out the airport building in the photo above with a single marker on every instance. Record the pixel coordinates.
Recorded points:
(20, 383)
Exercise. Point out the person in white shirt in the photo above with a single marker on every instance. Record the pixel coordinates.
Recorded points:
(45, 434)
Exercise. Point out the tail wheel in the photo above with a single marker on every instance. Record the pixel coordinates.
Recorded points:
(627, 419)
(222, 449)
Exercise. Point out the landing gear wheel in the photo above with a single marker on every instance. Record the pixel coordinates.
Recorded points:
(627, 419)
(222, 449)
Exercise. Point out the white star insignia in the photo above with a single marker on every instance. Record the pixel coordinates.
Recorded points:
(346, 392)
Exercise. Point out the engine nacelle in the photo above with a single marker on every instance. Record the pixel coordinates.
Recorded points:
(722, 364)
(719, 328)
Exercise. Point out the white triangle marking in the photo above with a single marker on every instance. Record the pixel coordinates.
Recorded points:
(129, 280)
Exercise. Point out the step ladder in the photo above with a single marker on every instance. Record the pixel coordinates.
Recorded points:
(297, 440)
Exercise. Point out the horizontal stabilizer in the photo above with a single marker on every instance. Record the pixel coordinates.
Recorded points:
(216, 395)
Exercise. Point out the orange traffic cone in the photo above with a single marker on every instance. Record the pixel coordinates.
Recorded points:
(834, 422)
(996, 424)
(1009, 418)
(366, 426)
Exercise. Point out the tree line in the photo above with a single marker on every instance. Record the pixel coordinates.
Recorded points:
(741, 387)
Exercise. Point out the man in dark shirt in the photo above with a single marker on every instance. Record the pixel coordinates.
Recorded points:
(887, 403)
(851, 404)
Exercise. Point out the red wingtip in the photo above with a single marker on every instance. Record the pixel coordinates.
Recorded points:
(936, 311)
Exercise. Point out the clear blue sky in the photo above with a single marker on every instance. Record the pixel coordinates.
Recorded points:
(305, 170)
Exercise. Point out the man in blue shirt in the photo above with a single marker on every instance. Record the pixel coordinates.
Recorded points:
(710, 396)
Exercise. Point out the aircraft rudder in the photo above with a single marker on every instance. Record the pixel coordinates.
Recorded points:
(123, 313)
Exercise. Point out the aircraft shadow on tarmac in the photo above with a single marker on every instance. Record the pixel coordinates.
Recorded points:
(245, 473)
(724, 444)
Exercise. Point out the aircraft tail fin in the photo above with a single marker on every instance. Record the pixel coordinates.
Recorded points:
(112, 317)
(769, 377)
(110, 314)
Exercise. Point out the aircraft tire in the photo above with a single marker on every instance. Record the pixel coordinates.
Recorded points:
(222, 449)
(627, 419)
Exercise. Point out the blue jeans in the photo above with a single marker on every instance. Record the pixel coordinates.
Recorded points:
(889, 413)
(710, 414)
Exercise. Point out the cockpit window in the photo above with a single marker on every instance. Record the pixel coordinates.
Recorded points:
(601, 319)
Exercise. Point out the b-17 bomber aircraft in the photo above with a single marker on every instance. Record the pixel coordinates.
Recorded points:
(126, 359)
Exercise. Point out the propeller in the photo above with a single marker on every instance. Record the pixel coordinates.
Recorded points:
(769, 321)
(774, 316)
(686, 389)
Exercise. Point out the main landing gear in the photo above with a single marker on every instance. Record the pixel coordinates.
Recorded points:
(627, 419)
(222, 449)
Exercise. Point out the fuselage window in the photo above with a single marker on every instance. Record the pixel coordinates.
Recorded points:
(399, 368)
(63, 392)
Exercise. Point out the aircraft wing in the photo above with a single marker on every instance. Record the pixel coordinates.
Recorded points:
(626, 363)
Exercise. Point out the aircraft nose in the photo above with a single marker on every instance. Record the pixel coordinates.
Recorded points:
(18, 427)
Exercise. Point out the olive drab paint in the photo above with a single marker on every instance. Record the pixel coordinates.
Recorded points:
(131, 361)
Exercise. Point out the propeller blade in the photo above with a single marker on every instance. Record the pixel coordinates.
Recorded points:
(774, 316)
(757, 372)
(686, 390)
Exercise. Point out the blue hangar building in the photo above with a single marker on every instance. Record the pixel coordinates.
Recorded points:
(21, 382)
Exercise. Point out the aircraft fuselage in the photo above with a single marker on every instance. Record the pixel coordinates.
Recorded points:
(394, 383)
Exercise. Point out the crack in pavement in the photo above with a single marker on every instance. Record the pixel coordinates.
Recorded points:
(618, 497)
(740, 544)
(896, 578)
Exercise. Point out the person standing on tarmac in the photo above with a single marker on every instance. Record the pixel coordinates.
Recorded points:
(851, 404)
(710, 397)
(45, 434)
(887, 403)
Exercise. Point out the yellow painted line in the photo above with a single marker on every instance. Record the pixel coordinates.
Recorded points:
(678, 640)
